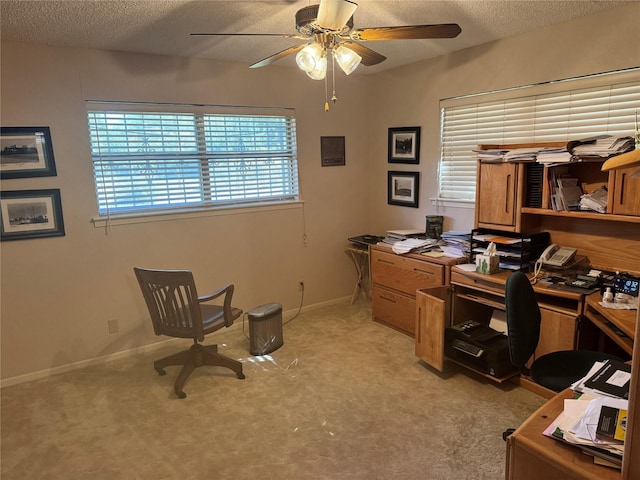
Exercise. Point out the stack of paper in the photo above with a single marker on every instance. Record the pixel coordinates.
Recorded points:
(602, 146)
(591, 421)
(596, 200)
(553, 155)
(456, 244)
(405, 246)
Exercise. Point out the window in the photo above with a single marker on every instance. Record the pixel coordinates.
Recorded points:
(156, 157)
(554, 112)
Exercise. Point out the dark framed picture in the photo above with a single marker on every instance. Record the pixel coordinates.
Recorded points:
(404, 145)
(30, 214)
(26, 152)
(332, 151)
(403, 188)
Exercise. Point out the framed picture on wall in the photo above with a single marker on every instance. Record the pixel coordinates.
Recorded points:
(402, 188)
(404, 145)
(332, 151)
(26, 152)
(30, 214)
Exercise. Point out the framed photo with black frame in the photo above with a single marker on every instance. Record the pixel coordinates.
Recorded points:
(404, 145)
(28, 214)
(26, 152)
(332, 151)
(403, 188)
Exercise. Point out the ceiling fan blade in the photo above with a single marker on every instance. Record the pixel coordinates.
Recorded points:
(409, 32)
(333, 15)
(277, 56)
(282, 35)
(369, 57)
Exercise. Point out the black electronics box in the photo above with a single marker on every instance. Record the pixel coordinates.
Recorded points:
(480, 347)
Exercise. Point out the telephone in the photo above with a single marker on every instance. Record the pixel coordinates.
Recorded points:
(557, 256)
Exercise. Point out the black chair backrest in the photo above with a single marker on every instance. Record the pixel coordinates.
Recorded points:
(523, 318)
(172, 300)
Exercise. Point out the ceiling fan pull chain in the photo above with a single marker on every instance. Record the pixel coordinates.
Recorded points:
(333, 75)
(326, 95)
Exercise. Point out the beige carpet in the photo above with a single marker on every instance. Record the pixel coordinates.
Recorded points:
(344, 398)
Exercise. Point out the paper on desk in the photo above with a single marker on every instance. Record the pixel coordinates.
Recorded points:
(405, 246)
(585, 426)
(467, 267)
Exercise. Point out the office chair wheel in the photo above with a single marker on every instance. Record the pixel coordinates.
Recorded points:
(240, 375)
(161, 372)
(179, 392)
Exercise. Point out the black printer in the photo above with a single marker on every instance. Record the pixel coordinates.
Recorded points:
(480, 347)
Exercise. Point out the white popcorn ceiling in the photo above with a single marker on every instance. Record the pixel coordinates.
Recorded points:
(163, 26)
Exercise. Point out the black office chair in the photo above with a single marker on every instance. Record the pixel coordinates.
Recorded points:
(556, 370)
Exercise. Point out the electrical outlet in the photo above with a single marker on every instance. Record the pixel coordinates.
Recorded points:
(301, 285)
(113, 325)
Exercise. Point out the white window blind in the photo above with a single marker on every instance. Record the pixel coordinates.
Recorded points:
(165, 160)
(556, 112)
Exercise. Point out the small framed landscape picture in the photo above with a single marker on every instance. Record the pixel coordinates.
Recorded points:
(26, 152)
(402, 189)
(30, 214)
(404, 145)
(332, 151)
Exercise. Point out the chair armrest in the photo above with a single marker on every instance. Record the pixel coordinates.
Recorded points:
(227, 290)
(213, 295)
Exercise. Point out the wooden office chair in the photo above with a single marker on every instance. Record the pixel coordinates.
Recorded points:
(556, 370)
(177, 311)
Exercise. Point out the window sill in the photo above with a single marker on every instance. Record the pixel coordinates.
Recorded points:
(163, 216)
(450, 202)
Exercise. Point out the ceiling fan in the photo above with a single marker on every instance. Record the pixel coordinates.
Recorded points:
(328, 29)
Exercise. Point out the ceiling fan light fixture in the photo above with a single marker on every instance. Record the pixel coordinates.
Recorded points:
(320, 71)
(309, 57)
(333, 15)
(347, 59)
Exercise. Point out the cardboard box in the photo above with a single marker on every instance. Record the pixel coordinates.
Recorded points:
(487, 264)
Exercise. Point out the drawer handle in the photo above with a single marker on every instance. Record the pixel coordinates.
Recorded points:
(423, 271)
(388, 262)
(388, 299)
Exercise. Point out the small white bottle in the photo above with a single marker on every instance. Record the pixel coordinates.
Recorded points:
(608, 295)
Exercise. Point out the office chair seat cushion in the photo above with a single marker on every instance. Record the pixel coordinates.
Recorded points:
(558, 370)
(213, 317)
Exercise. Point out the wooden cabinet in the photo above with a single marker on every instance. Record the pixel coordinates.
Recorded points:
(496, 195)
(396, 278)
(473, 296)
(626, 192)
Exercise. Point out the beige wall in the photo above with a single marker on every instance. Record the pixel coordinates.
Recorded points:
(410, 95)
(58, 293)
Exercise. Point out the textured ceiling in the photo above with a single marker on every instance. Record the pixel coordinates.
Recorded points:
(163, 26)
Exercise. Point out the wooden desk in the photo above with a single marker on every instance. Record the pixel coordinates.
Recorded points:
(619, 325)
(474, 296)
(532, 456)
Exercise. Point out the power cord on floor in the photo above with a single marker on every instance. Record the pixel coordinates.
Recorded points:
(284, 323)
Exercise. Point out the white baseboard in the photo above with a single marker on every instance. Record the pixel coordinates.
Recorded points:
(27, 377)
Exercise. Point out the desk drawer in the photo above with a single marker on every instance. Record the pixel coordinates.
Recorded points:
(405, 274)
(394, 309)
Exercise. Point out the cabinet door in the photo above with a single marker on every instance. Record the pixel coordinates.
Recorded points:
(626, 193)
(557, 332)
(496, 195)
(433, 307)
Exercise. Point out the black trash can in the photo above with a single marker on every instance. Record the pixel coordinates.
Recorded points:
(265, 329)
